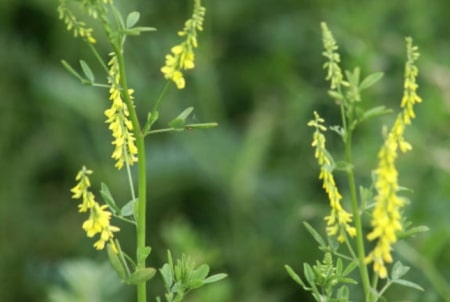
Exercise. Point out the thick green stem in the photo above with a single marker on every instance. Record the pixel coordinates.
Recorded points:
(142, 178)
(357, 220)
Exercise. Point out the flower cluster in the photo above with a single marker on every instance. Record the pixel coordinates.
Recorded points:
(339, 220)
(182, 55)
(386, 217)
(79, 28)
(125, 150)
(334, 72)
(99, 218)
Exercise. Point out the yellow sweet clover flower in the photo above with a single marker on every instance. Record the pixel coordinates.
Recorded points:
(99, 218)
(79, 28)
(125, 150)
(339, 220)
(334, 72)
(386, 216)
(182, 55)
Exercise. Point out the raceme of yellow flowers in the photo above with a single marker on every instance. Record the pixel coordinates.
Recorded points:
(386, 217)
(182, 55)
(99, 218)
(339, 220)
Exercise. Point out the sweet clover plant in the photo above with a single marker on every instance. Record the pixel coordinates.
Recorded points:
(128, 140)
(377, 207)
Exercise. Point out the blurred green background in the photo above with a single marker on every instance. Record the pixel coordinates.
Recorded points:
(235, 196)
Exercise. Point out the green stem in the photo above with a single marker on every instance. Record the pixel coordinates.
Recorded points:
(142, 177)
(357, 219)
(98, 57)
(161, 97)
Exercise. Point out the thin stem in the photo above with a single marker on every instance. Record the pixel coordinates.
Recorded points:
(357, 218)
(130, 180)
(125, 219)
(350, 248)
(99, 58)
(162, 130)
(161, 96)
(142, 176)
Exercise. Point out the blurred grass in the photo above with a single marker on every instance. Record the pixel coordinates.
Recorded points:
(235, 195)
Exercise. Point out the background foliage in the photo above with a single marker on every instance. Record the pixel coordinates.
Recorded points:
(234, 196)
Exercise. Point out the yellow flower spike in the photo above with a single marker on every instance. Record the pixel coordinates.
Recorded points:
(99, 218)
(339, 221)
(79, 28)
(182, 56)
(334, 72)
(386, 216)
(125, 150)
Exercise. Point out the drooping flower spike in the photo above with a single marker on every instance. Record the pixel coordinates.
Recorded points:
(386, 216)
(182, 56)
(339, 221)
(99, 218)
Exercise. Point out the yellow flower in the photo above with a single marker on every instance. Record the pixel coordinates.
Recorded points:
(334, 72)
(99, 218)
(339, 220)
(125, 150)
(182, 56)
(79, 28)
(386, 216)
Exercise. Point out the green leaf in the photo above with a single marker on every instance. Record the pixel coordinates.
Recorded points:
(107, 197)
(370, 80)
(151, 119)
(315, 235)
(116, 263)
(412, 231)
(201, 272)
(351, 266)
(295, 277)
(166, 273)
(136, 31)
(132, 19)
(118, 18)
(348, 280)
(339, 267)
(128, 208)
(71, 70)
(407, 284)
(87, 71)
(353, 78)
(335, 95)
(374, 112)
(180, 121)
(309, 273)
(201, 126)
(141, 275)
(214, 278)
(399, 270)
(343, 293)
(143, 253)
